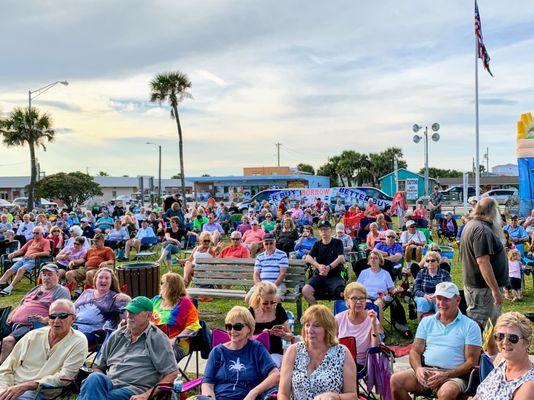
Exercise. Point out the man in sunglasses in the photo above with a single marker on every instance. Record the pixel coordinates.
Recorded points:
(391, 251)
(133, 360)
(30, 252)
(450, 344)
(51, 355)
(33, 308)
(236, 249)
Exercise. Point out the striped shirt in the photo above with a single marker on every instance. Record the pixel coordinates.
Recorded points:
(269, 265)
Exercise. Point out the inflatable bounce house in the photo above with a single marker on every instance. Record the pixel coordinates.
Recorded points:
(525, 162)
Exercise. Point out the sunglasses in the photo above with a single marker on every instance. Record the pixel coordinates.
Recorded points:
(206, 241)
(512, 337)
(36, 233)
(236, 239)
(391, 237)
(431, 260)
(63, 315)
(236, 327)
(268, 303)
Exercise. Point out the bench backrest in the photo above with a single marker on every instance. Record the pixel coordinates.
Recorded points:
(239, 272)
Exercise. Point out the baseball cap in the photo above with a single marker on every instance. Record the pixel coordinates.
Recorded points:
(410, 223)
(139, 304)
(446, 289)
(85, 219)
(50, 267)
(513, 216)
(268, 236)
(324, 224)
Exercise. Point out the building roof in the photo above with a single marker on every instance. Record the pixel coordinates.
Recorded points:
(484, 180)
(301, 177)
(410, 172)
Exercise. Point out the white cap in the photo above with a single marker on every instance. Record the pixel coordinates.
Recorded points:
(410, 223)
(447, 289)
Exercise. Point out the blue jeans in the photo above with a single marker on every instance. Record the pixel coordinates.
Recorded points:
(424, 306)
(27, 263)
(171, 249)
(99, 386)
(30, 395)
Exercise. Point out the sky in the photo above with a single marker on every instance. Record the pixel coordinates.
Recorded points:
(318, 77)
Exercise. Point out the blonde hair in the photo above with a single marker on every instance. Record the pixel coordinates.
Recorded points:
(354, 287)
(172, 288)
(264, 288)
(517, 320)
(433, 254)
(512, 253)
(290, 223)
(326, 320)
(204, 235)
(115, 286)
(379, 255)
(238, 312)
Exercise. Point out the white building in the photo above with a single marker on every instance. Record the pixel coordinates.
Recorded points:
(505, 169)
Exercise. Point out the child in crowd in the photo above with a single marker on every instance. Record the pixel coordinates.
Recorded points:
(513, 290)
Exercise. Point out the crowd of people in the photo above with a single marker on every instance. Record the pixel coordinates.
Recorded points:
(78, 304)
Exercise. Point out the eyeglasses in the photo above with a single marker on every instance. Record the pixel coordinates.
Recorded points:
(391, 237)
(62, 315)
(268, 303)
(236, 327)
(512, 337)
(357, 298)
(431, 260)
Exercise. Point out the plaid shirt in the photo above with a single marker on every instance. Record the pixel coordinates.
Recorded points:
(426, 284)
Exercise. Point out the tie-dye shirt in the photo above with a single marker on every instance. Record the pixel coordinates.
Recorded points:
(184, 315)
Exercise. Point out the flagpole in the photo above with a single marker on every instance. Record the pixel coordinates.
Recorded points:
(477, 139)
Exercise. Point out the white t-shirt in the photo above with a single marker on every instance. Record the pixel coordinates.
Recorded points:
(375, 281)
(417, 237)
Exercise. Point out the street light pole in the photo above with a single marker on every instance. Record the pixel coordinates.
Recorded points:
(159, 168)
(40, 91)
(435, 137)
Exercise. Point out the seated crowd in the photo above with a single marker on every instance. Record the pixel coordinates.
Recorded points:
(141, 340)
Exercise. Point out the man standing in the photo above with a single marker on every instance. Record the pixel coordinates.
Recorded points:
(484, 264)
(434, 204)
(44, 356)
(326, 257)
(34, 307)
(448, 342)
(31, 251)
(271, 265)
(134, 359)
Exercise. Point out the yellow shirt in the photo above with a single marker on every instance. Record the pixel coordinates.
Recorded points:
(32, 359)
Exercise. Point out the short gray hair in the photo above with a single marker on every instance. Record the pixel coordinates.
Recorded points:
(236, 234)
(67, 303)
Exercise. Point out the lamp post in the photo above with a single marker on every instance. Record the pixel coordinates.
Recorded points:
(435, 137)
(159, 168)
(40, 91)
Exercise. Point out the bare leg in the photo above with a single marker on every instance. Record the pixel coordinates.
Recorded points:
(7, 346)
(402, 383)
(307, 292)
(7, 275)
(188, 273)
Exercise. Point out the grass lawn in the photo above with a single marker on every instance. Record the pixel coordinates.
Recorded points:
(213, 312)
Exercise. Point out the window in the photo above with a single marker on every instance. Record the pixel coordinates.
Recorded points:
(402, 186)
(113, 193)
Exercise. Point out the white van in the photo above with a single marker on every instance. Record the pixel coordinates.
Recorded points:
(348, 196)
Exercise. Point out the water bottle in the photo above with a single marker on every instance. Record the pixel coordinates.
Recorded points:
(177, 384)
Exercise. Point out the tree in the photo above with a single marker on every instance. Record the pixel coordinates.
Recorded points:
(172, 87)
(441, 173)
(381, 164)
(72, 188)
(102, 173)
(306, 168)
(27, 126)
(330, 169)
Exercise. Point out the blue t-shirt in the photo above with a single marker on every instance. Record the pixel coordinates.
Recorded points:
(444, 347)
(396, 248)
(234, 373)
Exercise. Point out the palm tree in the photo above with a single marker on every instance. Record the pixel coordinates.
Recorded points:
(172, 87)
(27, 126)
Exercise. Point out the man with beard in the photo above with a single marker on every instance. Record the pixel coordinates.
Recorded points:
(484, 264)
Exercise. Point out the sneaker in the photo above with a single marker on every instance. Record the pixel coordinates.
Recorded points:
(3, 285)
(4, 292)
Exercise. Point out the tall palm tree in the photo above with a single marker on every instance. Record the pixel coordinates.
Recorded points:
(172, 87)
(27, 126)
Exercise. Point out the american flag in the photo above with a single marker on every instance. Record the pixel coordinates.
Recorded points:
(482, 52)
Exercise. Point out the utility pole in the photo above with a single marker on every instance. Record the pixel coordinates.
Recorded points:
(278, 152)
(486, 156)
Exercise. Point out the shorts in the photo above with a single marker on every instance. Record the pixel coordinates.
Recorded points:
(480, 305)
(26, 263)
(433, 213)
(19, 330)
(462, 382)
(327, 288)
(80, 274)
(515, 284)
(171, 249)
(280, 290)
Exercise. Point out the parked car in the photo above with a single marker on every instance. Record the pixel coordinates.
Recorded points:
(125, 198)
(6, 204)
(22, 201)
(452, 195)
(500, 195)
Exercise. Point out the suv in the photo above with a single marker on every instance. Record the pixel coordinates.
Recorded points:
(500, 195)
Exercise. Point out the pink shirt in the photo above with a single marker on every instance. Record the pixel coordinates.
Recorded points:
(514, 269)
(361, 332)
(230, 252)
(253, 236)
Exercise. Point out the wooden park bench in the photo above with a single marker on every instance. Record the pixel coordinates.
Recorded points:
(231, 278)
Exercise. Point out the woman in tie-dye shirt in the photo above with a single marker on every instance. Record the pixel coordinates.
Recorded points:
(174, 312)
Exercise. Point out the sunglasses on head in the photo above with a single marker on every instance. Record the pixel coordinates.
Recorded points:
(512, 337)
(236, 327)
(63, 315)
